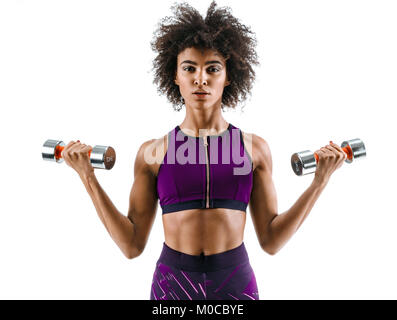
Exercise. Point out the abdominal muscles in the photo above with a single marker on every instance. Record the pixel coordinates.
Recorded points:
(207, 231)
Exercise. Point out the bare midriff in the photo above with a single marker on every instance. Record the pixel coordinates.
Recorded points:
(204, 231)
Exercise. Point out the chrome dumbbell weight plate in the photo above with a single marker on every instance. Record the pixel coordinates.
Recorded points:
(303, 162)
(357, 147)
(49, 152)
(103, 157)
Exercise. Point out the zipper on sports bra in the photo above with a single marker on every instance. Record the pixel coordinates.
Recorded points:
(207, 205)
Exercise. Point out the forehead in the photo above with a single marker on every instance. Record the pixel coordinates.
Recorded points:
(199, 55)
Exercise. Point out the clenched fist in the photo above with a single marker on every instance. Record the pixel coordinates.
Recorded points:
(76, 155)
(330, 158)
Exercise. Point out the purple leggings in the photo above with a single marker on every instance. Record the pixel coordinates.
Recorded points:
(223, 276)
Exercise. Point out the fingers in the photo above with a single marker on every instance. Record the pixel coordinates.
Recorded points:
(74, 149)
(340, 152)
(65, 151)
(332, 151)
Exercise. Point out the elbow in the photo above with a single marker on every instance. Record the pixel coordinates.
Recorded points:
(270, 249)
(271, 252)
(130, 257)
(132, 252)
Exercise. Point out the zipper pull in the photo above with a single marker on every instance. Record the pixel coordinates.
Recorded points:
(205, 141)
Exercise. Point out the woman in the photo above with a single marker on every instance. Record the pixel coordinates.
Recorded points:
(204, 65)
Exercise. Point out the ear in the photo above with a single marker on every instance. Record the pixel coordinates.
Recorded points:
(176, 77)
(227, 82)
(176, 80)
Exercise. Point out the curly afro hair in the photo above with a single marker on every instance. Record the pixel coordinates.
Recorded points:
(219, 30)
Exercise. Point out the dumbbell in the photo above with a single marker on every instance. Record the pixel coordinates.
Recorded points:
(101, 157)
(305, 162)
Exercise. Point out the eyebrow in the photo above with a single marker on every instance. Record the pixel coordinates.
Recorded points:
(208, 62)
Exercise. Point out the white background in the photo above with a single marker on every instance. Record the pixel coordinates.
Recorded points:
(82, 70)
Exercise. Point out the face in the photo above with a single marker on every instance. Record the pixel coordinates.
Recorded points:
(201, 71)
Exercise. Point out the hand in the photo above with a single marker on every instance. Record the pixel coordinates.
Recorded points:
(76, 156)
(330, 158)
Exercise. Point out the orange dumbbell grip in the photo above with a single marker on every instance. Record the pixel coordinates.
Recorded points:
(59, 149)
(346, 149)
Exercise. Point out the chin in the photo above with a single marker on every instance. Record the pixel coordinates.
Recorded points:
(202, 104)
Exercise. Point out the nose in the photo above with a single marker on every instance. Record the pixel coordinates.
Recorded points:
(200, 79)
(203, 82)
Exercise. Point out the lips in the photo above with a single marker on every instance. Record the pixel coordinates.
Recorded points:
(200, 92)
(201, 96)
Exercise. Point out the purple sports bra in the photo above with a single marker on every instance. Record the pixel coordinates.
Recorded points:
(213, 171)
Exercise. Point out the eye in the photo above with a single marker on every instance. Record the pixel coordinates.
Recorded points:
(187, 68)
(214, 69)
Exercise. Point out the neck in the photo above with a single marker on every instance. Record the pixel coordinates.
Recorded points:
(203, 121)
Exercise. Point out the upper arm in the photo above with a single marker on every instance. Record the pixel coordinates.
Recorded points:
(143, 198)
(263, 201)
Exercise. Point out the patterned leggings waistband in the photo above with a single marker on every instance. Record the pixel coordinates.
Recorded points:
(203, 263)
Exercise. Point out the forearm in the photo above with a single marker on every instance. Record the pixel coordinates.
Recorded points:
(284, 225)
(120, 228)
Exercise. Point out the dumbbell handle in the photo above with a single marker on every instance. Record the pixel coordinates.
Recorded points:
(101, 157)
(59, 149)
(346, 149)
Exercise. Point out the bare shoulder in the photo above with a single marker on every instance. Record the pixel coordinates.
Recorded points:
(259, 150)
(151, 153)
